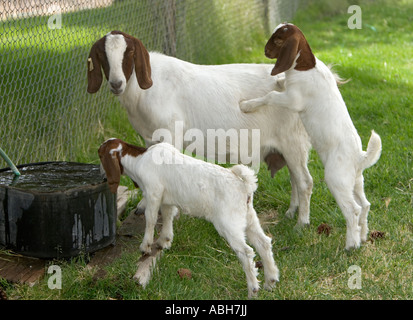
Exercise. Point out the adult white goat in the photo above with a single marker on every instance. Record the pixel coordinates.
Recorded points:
(158, 90)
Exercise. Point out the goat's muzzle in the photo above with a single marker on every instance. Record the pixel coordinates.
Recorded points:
(268, 54)
(271, 53)
(116, 87)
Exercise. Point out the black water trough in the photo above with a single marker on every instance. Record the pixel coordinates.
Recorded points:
(56, 210)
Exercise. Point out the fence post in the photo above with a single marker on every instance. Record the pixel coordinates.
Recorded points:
(165, 13)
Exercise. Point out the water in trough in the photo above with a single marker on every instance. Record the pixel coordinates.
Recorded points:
(56, 209)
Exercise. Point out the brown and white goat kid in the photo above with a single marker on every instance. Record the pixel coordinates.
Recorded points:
(170, 180)
(311, 91)
(158, 91)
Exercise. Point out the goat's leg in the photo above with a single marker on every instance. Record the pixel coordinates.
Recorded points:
(351, 211)
(289, 99)
(304, 185)
(166, 236)
(262, 244)
(365, 207)
(280, 86)
(140, 208)
(294, 201)
(301, 184)
(151, 217)
(246, 255)
(236, 239)
(252, 105)
(341, 186)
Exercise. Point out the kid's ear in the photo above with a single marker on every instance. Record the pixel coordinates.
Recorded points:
(110, 163)
(287, 55)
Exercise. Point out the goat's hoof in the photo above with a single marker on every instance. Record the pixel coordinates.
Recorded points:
(353, 239)
(363, 237)
(352, 245)
(140, 208)
(146, 248)
(269, 284)
(302, 224)
(291, 213)
(245, 106)
(300, 227)
(350, 248)
(139, 211)
(164, 244)
(252, 293)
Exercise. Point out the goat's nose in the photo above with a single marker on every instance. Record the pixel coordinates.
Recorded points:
(268, 54)
(116, 84)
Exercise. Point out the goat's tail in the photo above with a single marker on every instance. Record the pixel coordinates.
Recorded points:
(373, 152)
(247, 175)
(339, 80)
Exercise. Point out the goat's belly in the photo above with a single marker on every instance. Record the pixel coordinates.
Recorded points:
(190, 202)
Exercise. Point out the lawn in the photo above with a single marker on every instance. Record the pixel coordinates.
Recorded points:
(378, 61)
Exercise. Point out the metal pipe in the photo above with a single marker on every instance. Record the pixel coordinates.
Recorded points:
(9, 162)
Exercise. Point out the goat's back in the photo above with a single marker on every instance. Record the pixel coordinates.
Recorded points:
(194, 185)
(206, 97)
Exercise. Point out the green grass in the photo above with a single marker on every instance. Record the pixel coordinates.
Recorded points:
(379, 96)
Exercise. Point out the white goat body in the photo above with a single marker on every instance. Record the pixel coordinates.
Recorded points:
(170, 180)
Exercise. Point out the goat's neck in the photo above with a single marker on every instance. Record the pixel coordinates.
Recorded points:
(130, 166)
(130, 98)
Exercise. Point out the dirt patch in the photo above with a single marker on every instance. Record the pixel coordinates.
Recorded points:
(267, 219)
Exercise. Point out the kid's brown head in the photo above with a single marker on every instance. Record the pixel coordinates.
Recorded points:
(110, 154)
(285, 44)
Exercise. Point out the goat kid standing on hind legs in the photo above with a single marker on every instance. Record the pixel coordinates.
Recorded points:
(311, 90)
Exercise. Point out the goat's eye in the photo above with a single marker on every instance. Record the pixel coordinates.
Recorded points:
(278, 42)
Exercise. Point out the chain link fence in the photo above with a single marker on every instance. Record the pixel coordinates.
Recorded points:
(45, 112)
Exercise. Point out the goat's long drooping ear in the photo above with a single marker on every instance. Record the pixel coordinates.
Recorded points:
(94, 72)
(110, 163)
(142, 65)
(287, 55)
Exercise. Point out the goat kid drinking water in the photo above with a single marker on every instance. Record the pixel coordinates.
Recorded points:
(170, 181)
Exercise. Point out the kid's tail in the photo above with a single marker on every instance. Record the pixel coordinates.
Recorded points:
(372, 155)
(247, 175)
